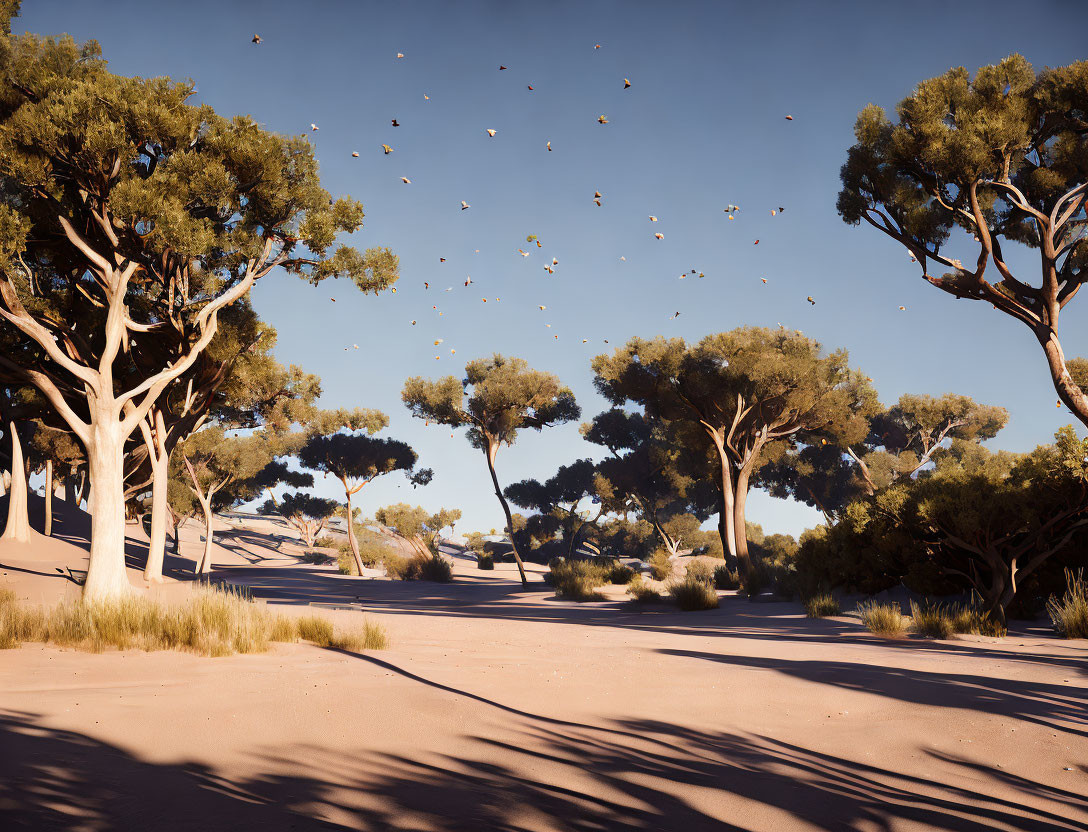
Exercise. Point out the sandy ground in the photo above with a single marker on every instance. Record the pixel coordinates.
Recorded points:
(502, 709)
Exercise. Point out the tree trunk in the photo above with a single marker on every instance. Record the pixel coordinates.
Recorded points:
(107, 577)
(1068, 392)
(156, 546)
(204, 567)
(17, 529)
(739, 525)
(726, 521)
(352, 542)
(48, 529)
(490, 452)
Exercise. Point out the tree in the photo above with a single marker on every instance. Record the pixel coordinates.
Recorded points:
(1003, 157)
(57, 453)
(556, 502)
(305, 513)
(416, 526)
(752, 391)
(498, 397)
(130, 219)
(356, 459)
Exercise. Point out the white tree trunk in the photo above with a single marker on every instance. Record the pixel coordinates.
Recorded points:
(107, 577)
(204, 567)
(17, 529)
(156, 547)
(48, 530)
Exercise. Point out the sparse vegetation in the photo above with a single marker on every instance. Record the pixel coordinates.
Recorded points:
(1070, 614)
(325, 542)
(931, 620)
(318, 558)
(755, 582)
(690, 594)
(576, 580)
(484, 561)
(700, 571)
(820, 606)
(642, 591)
(660, 565)
(212, 622)
(418, 568)
(619, 573)
(883, 619)
(726, 578)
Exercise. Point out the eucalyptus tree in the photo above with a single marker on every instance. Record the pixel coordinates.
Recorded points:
(130, 218)
(335, 446)
(498, 397)
(557, 501)
(303, 512)
(1002, 158)
(752, 391)
(418, 527)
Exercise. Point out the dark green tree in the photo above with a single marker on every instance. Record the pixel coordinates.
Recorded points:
(305, 513)
(556, 502)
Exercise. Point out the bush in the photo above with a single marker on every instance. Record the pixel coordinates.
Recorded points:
(660, 565)
(418, 568)
(212, 621)
(692, 594)
(321, 632)
(1070, 614)
(883, 619)
(576, 580)
(755, 581)
(484, 561)
(325, 542)
(317, 558)
(699, 571)
(372, 552)
(726, 578)
(932, 620)
(819, 606)
(619, 573)
(642, 592)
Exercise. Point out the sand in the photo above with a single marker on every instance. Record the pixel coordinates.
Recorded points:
(497, 708)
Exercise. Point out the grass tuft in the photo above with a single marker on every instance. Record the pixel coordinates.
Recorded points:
(1070, 614)
(690, 594)
(660, 565)
(726, 578)
(642, 592)
(619, 573)
(484, 561)
(820, 606)
(699, 571)
(576, 580)
(883, 619)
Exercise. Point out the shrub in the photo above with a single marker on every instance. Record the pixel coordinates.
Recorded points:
(372, 552)
(660, 565)
(932, 620)
(484, 560)
(699, 571)
(692, 594)
(317, 558)
(819, 606)
(436, 569)
(755, 581)
(726, 578)
(883, 619)
(641, 591)
(325, 542)
(576, 580)
(345, 562)
(321, 632)
(212, 622)
(619, 573)
(1070, 614)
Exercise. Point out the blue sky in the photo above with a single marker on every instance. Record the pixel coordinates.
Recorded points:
(702, 126)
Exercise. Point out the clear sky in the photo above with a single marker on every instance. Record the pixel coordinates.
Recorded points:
(702, 126)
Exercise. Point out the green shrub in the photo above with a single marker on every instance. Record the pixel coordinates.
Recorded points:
(484, 561)
(576, 580)
(699, 571)
(660, 565)
(317, 558)
(619, 573)
(755, 581)
(819, 606)
(932, 620)
(1070, 614)
(883, 619)
(692, 594)
(641, 591)
(325, 542)
(345, 562)
(726, 578)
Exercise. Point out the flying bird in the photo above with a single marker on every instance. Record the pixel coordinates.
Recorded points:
(763, 279)
(598, 202)
(386, 149)
(255, 39)
(653, 218)
(596, 194)
(400, 54)
(542, 308)
(491, 132)
(756, 243)
(406, 180)
(675, 315)
(602, 120)
(530, 87)
(355, 154)
(789, 118)
(356, 346)
(523, 253)
(555, 262)
(438, 341)
(395, 123)
(902, 309)
(810, 300)
(659, 235)
(468, 280)
(441, 259)
(313, 127)
(426, 285)
(426, 97)
(549, 147)
(596, 46)
(501, 67)
(464, 205)
(413, 323)
(626, 83)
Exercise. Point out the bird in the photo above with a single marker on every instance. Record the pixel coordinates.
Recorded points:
(626, 83)
(549, 270)
(333, 300)
(598, 202)
(438, 341)
(426, 285)
(542, 308)
(255, 39)
(555, 262)
(539, 244)
(464, 205)
(413, 323)
(773, 212)
(902, 309)
(501, 67)
(356, 346)
(406, 180)
(659, 235)
(675, 315)
(1058, 403)
(400, 54)
(810, 300)
(602, 120)
(530, 87)
(468, 280)
(596, 46)
(756, 243)
(653, 218)
(585, 340)
(763, 279)
(426, 97)
(789, 118)
(780, 209)
(549, 147)
(395, 123)
(386, 149)
(313, 127)
(491, 132)
(441, 259)
(523, 253)
(453, 352)
(355, 154)
(624, 259)
(596, 194)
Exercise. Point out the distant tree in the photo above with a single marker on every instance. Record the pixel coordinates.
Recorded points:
(557, 501)
(498, 397)
(753, 391)
(1002, 157)
(356, 459)
(125, 231)
(418, 527)
(305, 513)
(56, 453)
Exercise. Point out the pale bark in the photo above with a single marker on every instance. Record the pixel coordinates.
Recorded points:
(159, 460)
(744, 560)
(204, 565)
(107, 577)
(48, 530)
(491, 452)
(726, 520)
(17, 529)
(352, 542)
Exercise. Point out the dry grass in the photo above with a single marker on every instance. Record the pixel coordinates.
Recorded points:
(820, 606)
(576, 580)
(883, 619)
(660, 565)
(1070, 614)
(692, 594)
(726, 578)
(641, 591)
(212, 622)
(932, 620)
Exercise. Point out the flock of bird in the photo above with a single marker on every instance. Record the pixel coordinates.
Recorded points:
(549, 267)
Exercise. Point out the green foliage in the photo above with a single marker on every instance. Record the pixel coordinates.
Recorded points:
(1070, 613)
(641, 591)
(325, 542)
(883, 619)
(691, 594)
(576, 580)
(415, 521)
(418, 568)
(821, 606)
(726, 578)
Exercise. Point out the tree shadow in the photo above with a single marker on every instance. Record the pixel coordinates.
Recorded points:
(1056, 707)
